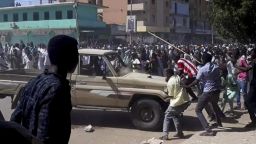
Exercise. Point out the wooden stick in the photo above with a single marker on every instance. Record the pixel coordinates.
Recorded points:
(173, 46)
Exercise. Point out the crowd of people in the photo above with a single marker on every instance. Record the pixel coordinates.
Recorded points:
(211, 68)
(21, 56)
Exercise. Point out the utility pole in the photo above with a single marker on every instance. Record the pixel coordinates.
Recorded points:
(131, 12)
(212, 34)
(77, 25)
(212, 28)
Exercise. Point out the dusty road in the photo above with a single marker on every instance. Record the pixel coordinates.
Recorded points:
(111, 127)
(116, 128)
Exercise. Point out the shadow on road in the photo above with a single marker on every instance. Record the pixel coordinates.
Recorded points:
(191, 123)
(234, 129)
(186, 137)
(112, 119)
(101, 118)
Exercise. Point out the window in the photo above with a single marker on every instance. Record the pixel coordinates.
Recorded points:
(58, 15)
(25, 16)
(93, 66)
(153, 19)
(36, 16)
(15, 17)
(5, 18)
(153, 2)
(184, 22)
(46, 15)
(70, 14)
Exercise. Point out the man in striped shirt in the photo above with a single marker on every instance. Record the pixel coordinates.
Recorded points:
(188, 73)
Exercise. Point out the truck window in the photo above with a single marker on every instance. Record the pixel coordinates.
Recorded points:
(93, 66)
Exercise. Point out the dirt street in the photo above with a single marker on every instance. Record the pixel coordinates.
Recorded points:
(117, 128)
(110, 127)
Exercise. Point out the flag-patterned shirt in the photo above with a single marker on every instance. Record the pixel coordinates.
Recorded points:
(187, 67)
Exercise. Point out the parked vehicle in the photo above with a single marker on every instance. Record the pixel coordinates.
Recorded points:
(102, 81)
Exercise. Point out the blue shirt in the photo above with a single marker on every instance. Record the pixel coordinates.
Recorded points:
(209, 74)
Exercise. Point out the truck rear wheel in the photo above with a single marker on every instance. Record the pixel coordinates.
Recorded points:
(147, 114)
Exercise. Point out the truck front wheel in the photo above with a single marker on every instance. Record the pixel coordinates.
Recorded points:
(147, 114)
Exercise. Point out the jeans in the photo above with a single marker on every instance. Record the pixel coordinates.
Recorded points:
(174, 113)
(242, 88)
(203, 101)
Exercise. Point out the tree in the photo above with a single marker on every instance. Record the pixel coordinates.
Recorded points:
(235, 19)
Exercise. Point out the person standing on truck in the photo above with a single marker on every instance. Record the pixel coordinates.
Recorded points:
(45, 103)
(178, 104)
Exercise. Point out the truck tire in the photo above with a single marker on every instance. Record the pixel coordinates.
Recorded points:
(147, 114)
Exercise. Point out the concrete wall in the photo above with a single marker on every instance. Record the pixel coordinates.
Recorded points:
(42, 30)
(116, 12)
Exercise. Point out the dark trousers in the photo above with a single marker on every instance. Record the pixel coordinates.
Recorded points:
(1, 116)
(250, 103)
(203, 101)
(189, 90)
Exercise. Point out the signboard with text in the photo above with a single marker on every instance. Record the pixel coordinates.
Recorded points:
(131, 23)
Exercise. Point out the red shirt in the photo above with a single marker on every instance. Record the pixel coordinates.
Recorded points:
(187, 67)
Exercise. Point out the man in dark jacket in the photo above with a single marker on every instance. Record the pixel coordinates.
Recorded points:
(250, 100)
(45, 104)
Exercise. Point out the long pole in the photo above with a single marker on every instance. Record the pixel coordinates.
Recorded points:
(173, 46)
(212, 29)
(77, 25)
(212, 35)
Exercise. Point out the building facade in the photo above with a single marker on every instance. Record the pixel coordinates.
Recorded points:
(96, 2)
(34, 2)
(151, 15)
(39, 23)
(200, 13)
(7, 3)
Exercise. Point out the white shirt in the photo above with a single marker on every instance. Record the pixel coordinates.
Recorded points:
(230, 68)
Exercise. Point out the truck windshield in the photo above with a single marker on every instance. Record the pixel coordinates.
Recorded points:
(118, 64)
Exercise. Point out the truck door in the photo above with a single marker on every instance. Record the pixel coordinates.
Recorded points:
(92, 88)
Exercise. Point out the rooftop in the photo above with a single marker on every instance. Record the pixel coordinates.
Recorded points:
(47, 5)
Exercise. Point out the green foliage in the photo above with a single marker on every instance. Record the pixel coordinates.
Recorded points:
(235, 19)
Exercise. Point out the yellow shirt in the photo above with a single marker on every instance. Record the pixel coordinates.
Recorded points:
(178, 94)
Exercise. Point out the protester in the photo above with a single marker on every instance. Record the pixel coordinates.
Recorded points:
(179, 102)
(210, 75)
(242, 78)
(231, 88)
(45, 105)
(250, 100)
(188, 72)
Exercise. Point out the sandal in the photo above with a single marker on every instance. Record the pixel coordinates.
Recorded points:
(208, 133)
